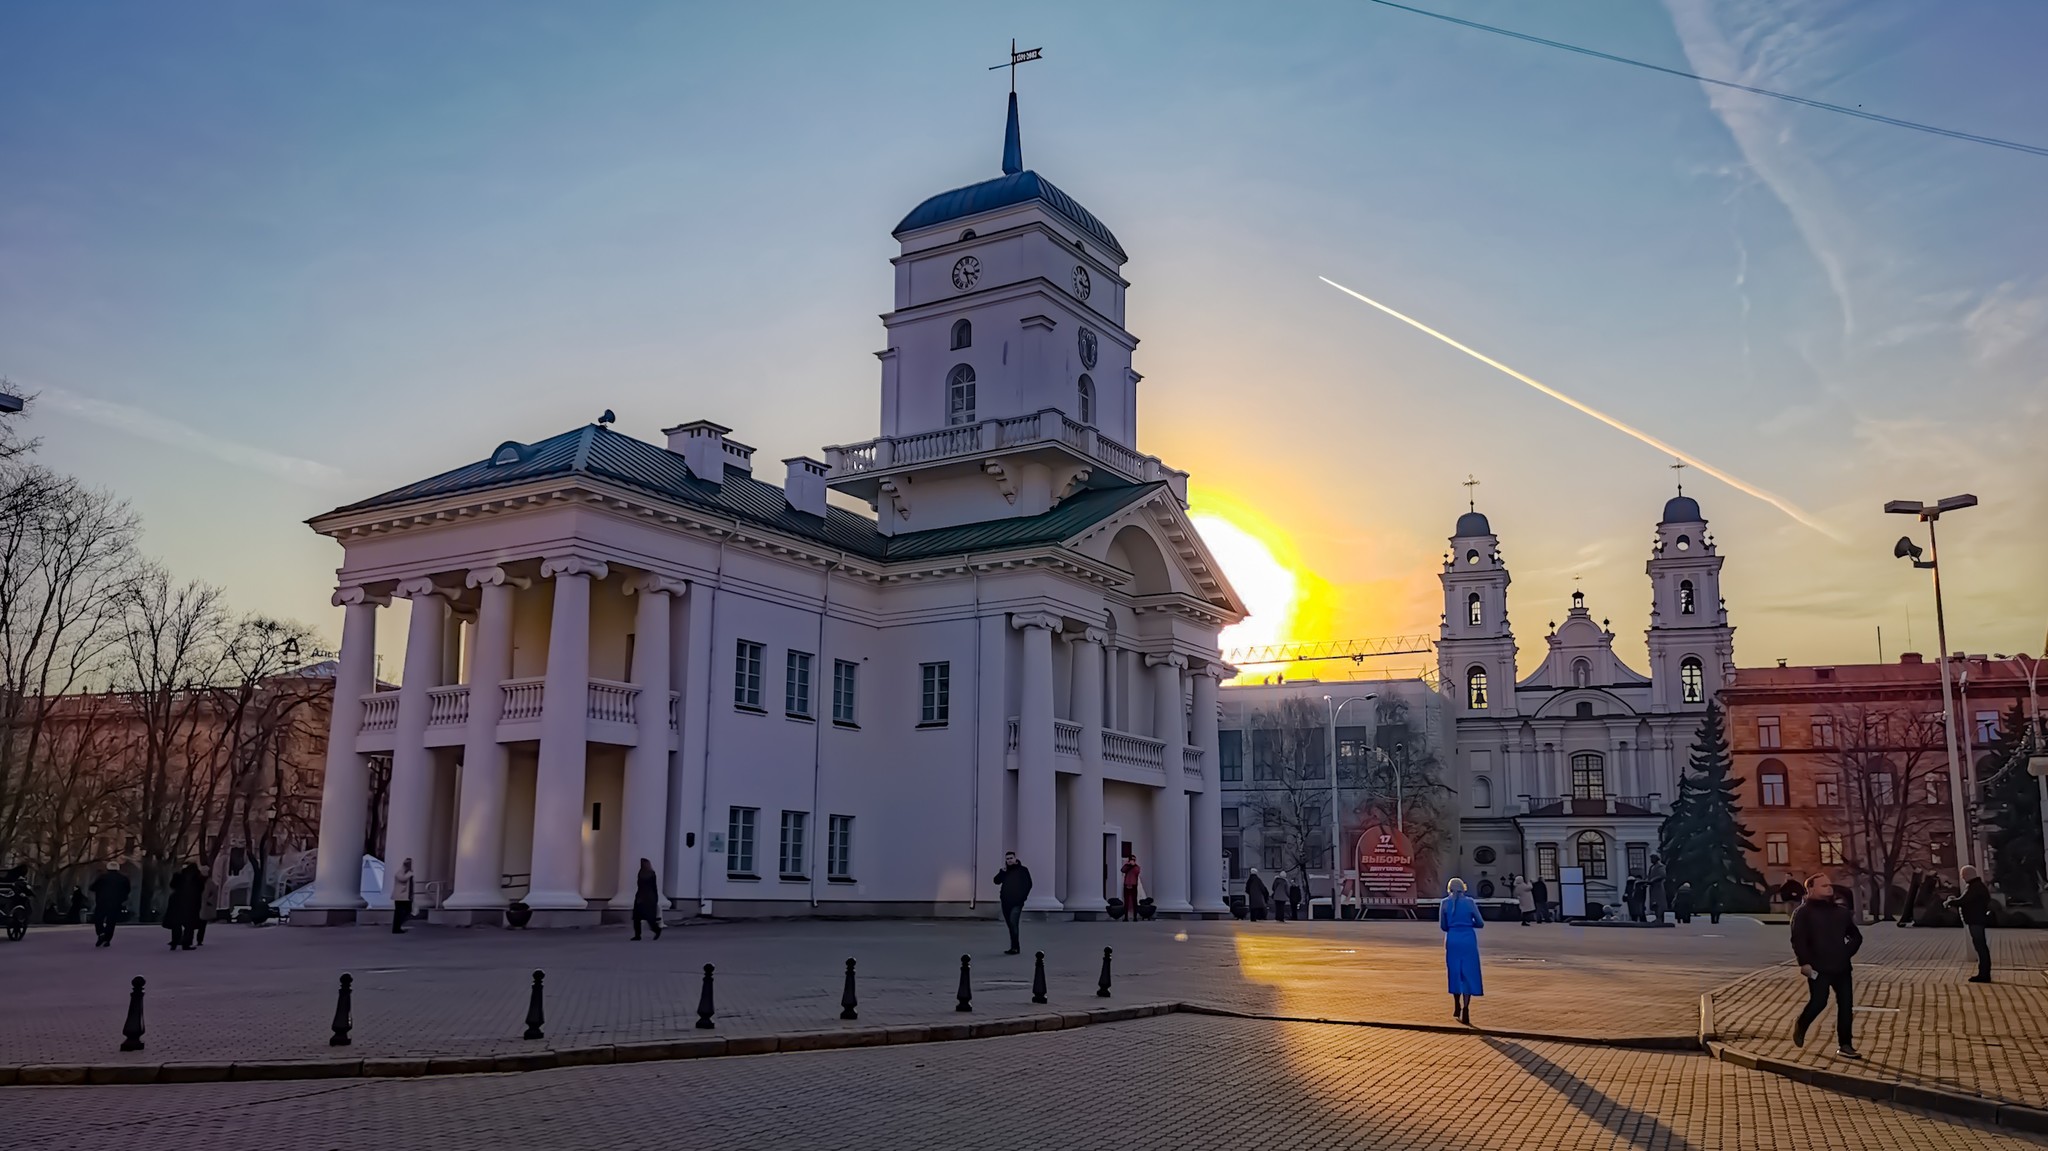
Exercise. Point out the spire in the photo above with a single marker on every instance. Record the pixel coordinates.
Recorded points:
(1013, 148)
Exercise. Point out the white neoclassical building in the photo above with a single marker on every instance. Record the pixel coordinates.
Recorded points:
(1577, 763)
(622, 650)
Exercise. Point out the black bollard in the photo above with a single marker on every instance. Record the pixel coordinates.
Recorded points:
(1038, 980)
(131, 1030)
(342, 1013)
(534, 1018)
(1102, 984)
(704, 1000)
(966, 993)
(847, 1002)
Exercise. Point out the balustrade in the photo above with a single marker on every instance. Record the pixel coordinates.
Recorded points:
(380, 711)
(1066, 738)
(1129, 750)
(612, 702)
(522, 699)
(448, 706)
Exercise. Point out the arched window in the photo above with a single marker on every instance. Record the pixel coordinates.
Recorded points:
(963, 335)
(1692, 680)
(1592, 851)
(1685, 599)
(960, 396)
(1589, 776)
(1472, 557)
(1473, 615)
(1482, 796)
(1475, 688)
(968, 234)
(1684, 543)
(1087, 390)
(1582, 673)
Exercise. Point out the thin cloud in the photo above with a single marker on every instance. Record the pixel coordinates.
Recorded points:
(150, 426)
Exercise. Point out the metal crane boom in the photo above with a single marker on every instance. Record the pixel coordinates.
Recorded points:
(1355, 650)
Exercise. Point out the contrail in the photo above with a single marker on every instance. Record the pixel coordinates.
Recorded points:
(1782, 505)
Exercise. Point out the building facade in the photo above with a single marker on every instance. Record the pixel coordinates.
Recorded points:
(1844, 769)
(622, 650)
(1576, 764)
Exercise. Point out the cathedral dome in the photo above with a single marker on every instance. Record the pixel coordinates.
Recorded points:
(1473, 523)
(1682, 509)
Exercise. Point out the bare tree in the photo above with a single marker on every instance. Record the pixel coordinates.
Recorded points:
(1289, 797)
(73, 821)
(1891, 801)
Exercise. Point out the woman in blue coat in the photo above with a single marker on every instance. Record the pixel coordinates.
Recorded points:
(1459, 918)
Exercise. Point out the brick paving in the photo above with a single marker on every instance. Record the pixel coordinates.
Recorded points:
(1928, 1027)
(1172, 1082)
(268, 993)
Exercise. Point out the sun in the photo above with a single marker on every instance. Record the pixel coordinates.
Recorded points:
(1270, 589)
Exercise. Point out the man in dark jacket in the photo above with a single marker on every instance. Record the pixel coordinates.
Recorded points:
(1542, 892)
(109, 897)
(1974, 904)
(1824, 938)
(1015, 881)
(1255, 897)
(1653, 889)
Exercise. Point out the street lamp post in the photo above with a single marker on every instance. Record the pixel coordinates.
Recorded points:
(2037, 739)
(1334, 709)
(1907, 549)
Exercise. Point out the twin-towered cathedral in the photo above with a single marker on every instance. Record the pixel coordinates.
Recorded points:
(1576, 764)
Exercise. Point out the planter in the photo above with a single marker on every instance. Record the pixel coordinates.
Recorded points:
(1115, 910)
(1146, 909)
(518, 914)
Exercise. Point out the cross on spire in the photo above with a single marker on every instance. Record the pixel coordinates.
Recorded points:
(1680, 467)
(1471, 498)
(1016, 58)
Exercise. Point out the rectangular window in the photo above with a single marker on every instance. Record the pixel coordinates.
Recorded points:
(1265, 742)
(937, 706)
(1827, 791)
(746, 675)
(1937, 787)
(796, 684)
(1831, 850)
(1270, 857)
(1771, 789)
(1823, 731)
(1767, 732)
(1987, 727)
(839, 847)
(1881, 788)
(1230, 756)
(1233, 842)
(844, 675)
(739, 840)
(1546, 864)
(790, 859)
(1639, 858)
(1777, 848)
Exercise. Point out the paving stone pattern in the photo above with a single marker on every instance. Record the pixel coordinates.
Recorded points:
(1173, 1082)
(1927, 1026)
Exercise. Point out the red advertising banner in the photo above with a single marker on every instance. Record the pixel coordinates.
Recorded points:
(1386, 869)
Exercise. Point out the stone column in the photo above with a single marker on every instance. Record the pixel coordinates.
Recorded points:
(480, 821)
(345, 793)
(408, 822)
(564, 731)
(644, 833)
(1037, 801)
(1168, 868)
(1085, 894)
(1207, 863)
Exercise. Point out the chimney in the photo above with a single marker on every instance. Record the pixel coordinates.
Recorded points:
(1910, 657)
(805, 486)
(701, 443)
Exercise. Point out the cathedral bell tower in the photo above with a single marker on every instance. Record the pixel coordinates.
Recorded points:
(1692, 647)
(1476, 648)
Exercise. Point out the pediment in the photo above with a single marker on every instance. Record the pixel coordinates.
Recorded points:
(1155, 543)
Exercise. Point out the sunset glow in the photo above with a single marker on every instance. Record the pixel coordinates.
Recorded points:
(1271, 589)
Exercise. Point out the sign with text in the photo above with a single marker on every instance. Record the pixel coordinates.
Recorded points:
(1386, 867)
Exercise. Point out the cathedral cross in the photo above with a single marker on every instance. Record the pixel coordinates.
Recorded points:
(1016, 58)
(1471, 501)
(1679, 467)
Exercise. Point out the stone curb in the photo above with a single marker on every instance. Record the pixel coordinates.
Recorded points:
(1631, 1042)
(540, 1059)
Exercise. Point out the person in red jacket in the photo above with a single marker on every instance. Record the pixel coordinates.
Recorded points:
(1824, 938)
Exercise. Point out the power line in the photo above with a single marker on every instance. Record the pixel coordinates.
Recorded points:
(1951, 133)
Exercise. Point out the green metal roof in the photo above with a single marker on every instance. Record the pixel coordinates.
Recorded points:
(601, 453)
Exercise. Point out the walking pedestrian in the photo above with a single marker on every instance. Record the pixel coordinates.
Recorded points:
(1255, 896)
(181, 910)
(1912, 904)
(1459, 919)
(1632, 898)
(1655, 882)
(401, 897)
(1296, 892)
(1681, 904)
(1542, 893)
(1129, 871)
(109, 902)
(1974, 904)
(646, 900)
(1015, 881)
(1824, 939)
(209, 904)
(76, 914)
(1282, 896)
(1525, 899)
(1713, 903)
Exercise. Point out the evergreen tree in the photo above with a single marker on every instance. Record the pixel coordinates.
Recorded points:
(2012, 801)
(1703, 840)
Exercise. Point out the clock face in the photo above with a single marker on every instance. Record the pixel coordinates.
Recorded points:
(1088, 348)
(1081, 285)
(965, 271)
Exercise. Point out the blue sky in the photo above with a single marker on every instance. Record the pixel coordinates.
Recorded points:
(260, 260)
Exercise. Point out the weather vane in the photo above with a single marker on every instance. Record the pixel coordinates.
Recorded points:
(1471, 500)
(1016, 58)
(1680, 467)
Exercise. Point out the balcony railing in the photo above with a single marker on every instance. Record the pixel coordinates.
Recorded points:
(612, 702)
(522, 699)
(1191, 761)
(675, 704)
(1601, 805)
(448, 706)
(1047, 426)
(1066, 738)
(380, 711)
(1120, 747)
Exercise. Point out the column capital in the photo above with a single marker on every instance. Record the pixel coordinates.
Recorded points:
(573, 566)
(1094, 635)
(355, 595)
(422, 586)
(1038, 619)
(494, 576)
(654, 583)
(1211, 669)
(1174, 659)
